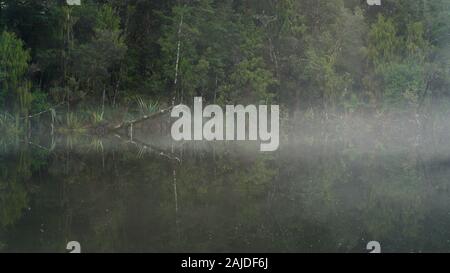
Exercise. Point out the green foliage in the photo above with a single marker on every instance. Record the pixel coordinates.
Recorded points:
(40, 101)
(383, 42)
(403, 84)
(400, 52)
(147, 107)
(94, 63)
(107, 19)
(250, 81)
(97, 117)
(308, 53)
(13, 65)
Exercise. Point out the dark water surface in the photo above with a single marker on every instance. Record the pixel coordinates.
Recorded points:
(324, 190)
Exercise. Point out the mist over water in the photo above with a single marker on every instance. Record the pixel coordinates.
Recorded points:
(335, 184)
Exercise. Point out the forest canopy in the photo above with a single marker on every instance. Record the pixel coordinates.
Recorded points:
(332, 56)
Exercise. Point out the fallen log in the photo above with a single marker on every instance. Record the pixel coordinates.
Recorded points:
(141, 119)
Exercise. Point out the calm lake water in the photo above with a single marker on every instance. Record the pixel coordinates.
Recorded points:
(331, 187)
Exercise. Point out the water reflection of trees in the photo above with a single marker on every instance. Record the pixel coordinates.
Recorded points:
(320, 192)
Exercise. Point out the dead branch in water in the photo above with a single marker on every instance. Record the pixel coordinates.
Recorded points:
(141, 119)
(42, 112)
(149, 147)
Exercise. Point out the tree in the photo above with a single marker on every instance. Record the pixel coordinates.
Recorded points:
(13, 66)
(95, 64)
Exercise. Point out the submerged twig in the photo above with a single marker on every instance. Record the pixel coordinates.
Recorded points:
(146, 146)
(42, 112)
(37, 145)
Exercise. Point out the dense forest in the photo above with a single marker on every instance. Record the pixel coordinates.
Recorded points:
(333, 57)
